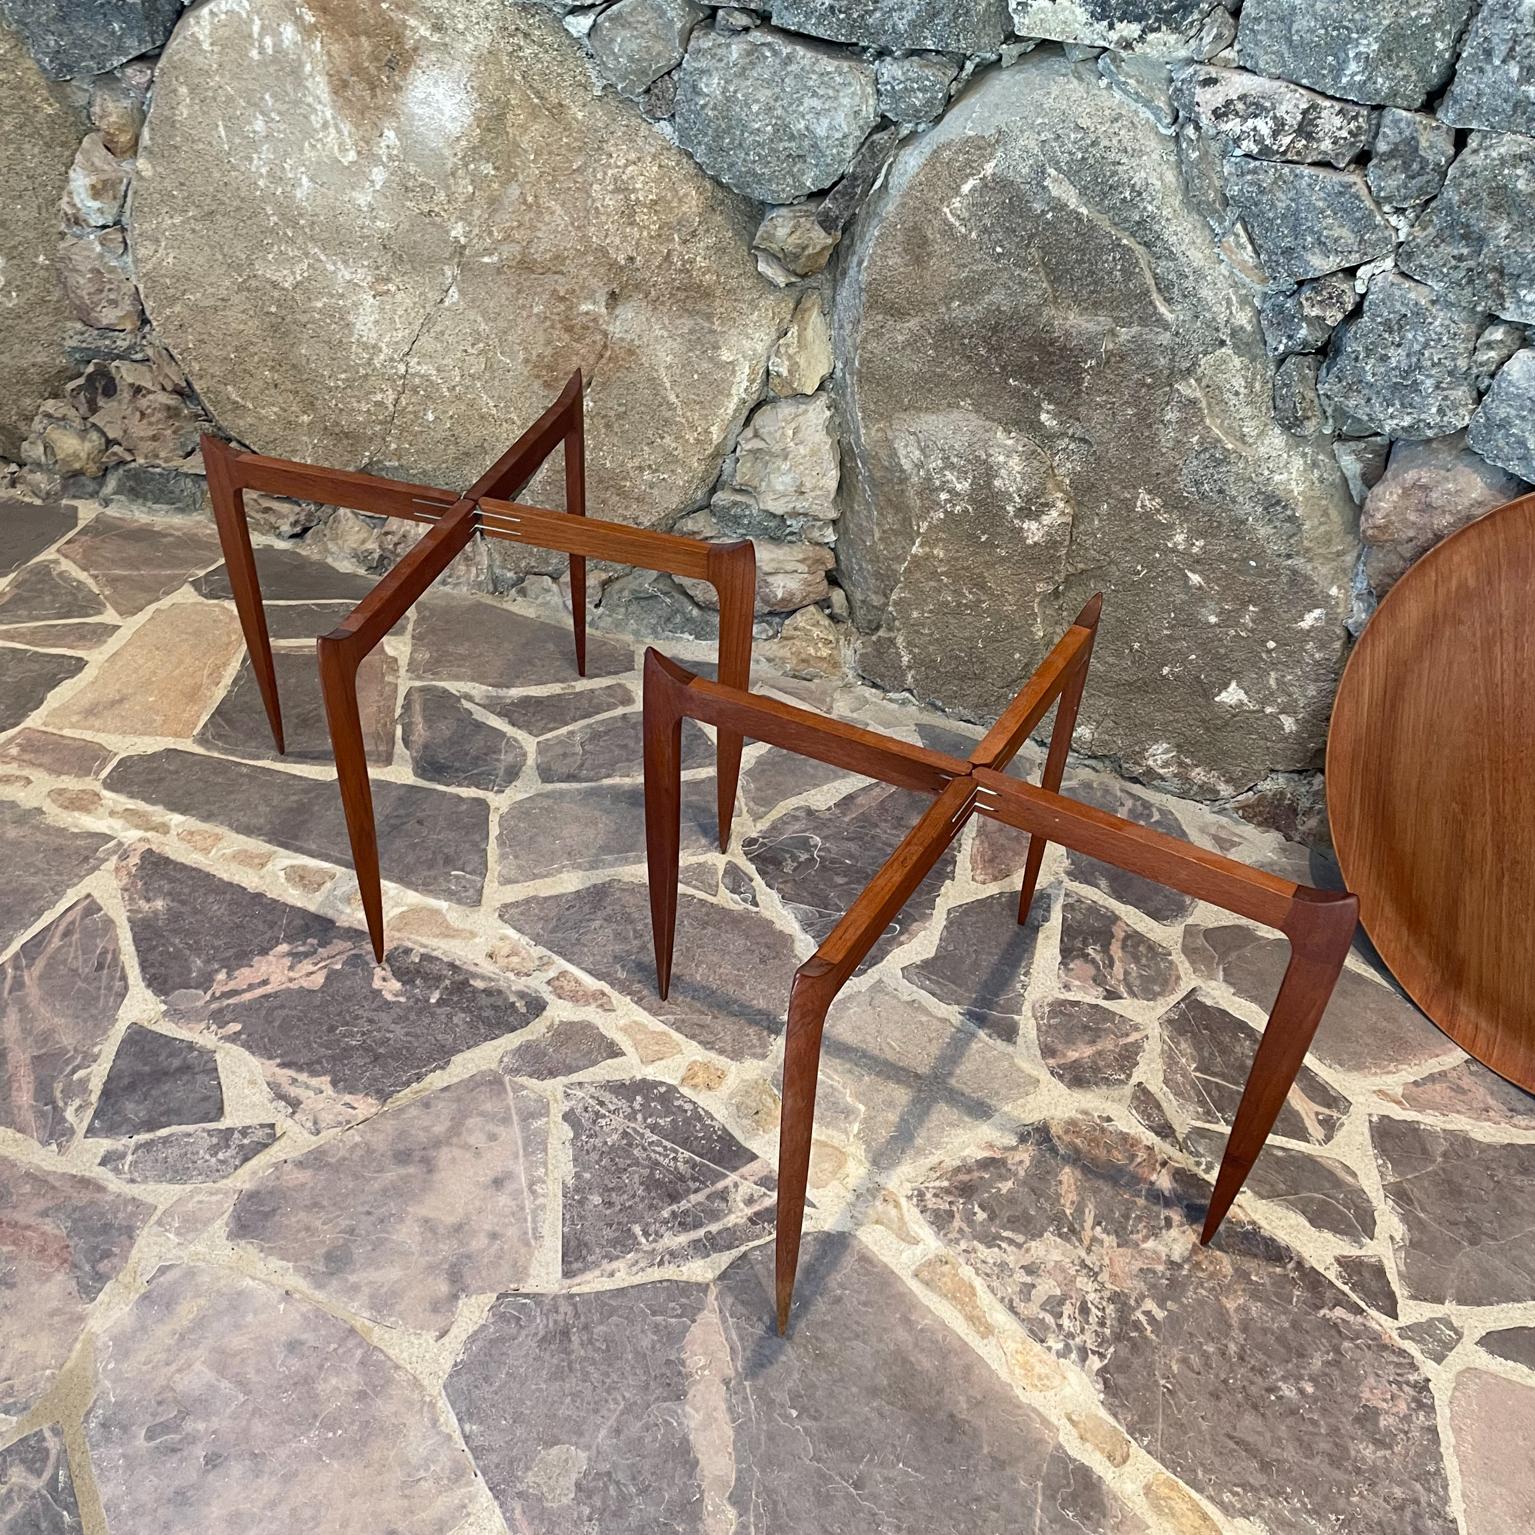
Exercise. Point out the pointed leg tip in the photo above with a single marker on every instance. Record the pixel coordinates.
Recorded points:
(783, 1317)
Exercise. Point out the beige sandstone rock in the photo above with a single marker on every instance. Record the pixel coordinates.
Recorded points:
(802, 359)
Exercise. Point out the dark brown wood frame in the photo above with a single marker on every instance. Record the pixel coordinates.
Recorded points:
(1319, 924)
(488, 507)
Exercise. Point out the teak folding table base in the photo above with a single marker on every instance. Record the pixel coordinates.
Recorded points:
(1319, 924)
(489, 506)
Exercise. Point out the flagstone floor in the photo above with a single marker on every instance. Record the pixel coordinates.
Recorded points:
(478, 1241)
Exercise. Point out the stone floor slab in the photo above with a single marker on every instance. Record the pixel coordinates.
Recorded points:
(238, 726)
(157, 1081)
(1468, 1090)
(286, 575)
(921, 1079)
(1466, 1211)
(26, 530)
(775, 776)
(63, 1238)
(429, 840)
(62, 756)
(1103, 956)
(1089, 1046)
(46, 591)
(1493, 1420)
(336, 1035)
(673, 1406)
(656, 1182)
(59, 998)
(571, 1046)
(161, 681)
(730, 977)
(202, 1155)
(1234, 1365)
(37, 1493)
(42, 861)
(27, 677)
(1515, 1344)
(137, 562)
(75, 637)
(462, 639)
(224, 1404)
(608, 748)
(401, 1218)
(450, 744)
(540, 714)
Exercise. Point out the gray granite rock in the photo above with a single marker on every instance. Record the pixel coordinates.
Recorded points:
(336, 1035)
(238, 725)
(37, 1494)
(1302, 319)
(1428, 491)
(39, 130)
(1047, 176)
(1402, 367)
(962, 26)
(1296, 405)
(1475, 242)
(1368, 1027)
(223, 1403)
(1411, 153)
(591, 826)
(1396, 52)
(770, 115)
(88, 37)
(59, 997)
(914, 87)
(449, 743)
(429, 840)
(1232, 1363)
(202, 1155)
(921, 1082)
(730, 980)
(610, 748)
(135, 562)
(42, 861)
(466, 639)
(817, 862)
(1494, 347)
(655, 1182)
(1503, 429)
(1161, 28)
(635, 42)
(1103, 956)
(63, 1239)
(683, 338)
(1088, 1046)
(156, 1081)
(572, 1045)
(1462, 1206)
(1247, 114)
(984, 961)
(1323, 1191)
(841, 204)
(27, 677)
(1494, 85)
(1207, 1053)
(1306, 220)
(672, 1406)
(403, 1217)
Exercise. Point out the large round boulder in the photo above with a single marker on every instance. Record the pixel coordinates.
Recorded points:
(1054, 386)
(384, 237)
(39, 135)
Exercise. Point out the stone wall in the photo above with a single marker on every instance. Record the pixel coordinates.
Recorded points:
(961, 309)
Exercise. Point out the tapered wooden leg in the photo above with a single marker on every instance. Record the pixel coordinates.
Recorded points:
(663, 812)
(1318, 950)
(240, 562)
(575, 504)
(338, 683)
(809, 1000)
(734, 575)
(1055, 759)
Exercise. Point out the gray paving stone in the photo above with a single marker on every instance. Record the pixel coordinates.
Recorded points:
(202, 1155)
(156, 1081)
(42, 861)
(37, 1493)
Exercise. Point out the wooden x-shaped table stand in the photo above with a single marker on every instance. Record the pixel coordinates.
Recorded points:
(1319, 924)
(489, 506)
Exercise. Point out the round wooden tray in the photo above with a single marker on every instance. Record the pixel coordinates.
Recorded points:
(1431, 786)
